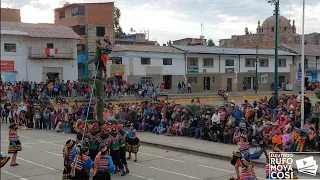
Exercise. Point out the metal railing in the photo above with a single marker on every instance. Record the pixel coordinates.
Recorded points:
(63, 53)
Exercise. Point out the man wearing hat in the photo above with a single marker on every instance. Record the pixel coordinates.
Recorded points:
(103, 164)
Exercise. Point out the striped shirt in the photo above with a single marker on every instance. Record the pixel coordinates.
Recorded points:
(103, 163)
(244, 148)
(247, 173)
(13, 136)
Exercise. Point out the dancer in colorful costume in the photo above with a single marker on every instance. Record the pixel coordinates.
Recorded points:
(3, 160)
(14, 143)
(243, 151)
(123, 151)
(92, 137)
(115, 150)
(106, 49)
(247, 171)
(67, 155)
(133, 143)
(103, 164)
(81, 165)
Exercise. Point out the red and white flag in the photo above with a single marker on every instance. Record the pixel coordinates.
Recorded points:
(51, 52)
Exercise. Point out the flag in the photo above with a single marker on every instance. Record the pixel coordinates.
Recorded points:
(51, 52)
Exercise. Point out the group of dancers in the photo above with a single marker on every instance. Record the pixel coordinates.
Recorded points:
(101, 149)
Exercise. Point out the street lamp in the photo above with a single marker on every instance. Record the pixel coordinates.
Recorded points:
(302, 66)
(257, 61)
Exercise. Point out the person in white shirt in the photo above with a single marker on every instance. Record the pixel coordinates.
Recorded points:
(216, 117)
(189, 88)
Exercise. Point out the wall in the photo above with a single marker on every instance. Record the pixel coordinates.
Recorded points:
(27, 69)
(11, 15)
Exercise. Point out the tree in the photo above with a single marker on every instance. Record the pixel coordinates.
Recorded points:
(246, 31)
(169, 43)
(210, 43)
(117, 27)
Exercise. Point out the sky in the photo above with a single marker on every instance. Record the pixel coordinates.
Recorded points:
(175, 19)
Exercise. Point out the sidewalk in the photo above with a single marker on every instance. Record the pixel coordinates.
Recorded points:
(201, 147)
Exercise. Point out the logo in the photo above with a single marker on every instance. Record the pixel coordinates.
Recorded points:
(293, 165)
(307, 165)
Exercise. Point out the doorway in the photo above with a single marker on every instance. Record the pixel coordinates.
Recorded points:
(229, 84)
(206, 83)
(53, 77)
(249, 82)
(167, 79)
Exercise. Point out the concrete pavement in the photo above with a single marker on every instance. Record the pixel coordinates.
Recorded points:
(41, 159)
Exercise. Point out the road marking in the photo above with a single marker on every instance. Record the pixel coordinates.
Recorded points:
(14, 175)
(163, 170)
(27, 146)
(36, 163)
(223, 170)
(53, 153)
(66, 138)
(140, 176)
(32, 143)
(162, 157)
(42, 141)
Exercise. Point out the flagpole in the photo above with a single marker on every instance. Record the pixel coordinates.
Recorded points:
(302, 67)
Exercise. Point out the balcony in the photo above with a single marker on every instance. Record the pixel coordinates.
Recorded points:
(63, 53)
(312, 67)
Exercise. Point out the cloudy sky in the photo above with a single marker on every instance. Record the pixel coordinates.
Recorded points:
(174, 19)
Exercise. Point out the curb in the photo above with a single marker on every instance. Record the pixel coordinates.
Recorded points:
(196, 152)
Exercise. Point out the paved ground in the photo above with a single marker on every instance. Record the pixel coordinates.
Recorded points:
(41, 159)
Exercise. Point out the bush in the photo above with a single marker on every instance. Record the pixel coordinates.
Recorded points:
(198, 109)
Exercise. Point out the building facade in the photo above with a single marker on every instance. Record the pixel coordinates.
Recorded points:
(311, 62)
(212, 68)
(10, 15)
(37, 52)
(135, 39)
(91, 21)
(191, 41)
(152, 64)
(265, 35)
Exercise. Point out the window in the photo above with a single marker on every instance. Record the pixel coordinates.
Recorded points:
(62, 14)
(81, 48)
(264, 62)
(10, 47)
(229, 62)
(101, 31)
(146, 80)
(79, 29)
(272, 29)
(145, 61)
(50, 45)
(192, 80)
(208, 62)
(213, 79)
(192, 61)
(78, 11)
(167, 61)
(250, 62)
(282, 63)
(117, 60)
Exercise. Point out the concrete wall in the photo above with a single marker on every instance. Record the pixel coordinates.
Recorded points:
(11, 15)
(28, 69)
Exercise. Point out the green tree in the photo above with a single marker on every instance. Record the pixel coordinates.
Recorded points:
(246, 31)
(117, 27)
(210, 43)
(169, 43)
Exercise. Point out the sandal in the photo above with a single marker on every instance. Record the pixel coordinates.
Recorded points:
(135, 161)
(129, 158)
(12, 164)
(16, 164)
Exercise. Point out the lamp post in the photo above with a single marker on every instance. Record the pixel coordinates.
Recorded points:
(257, 61)
(276, 84)
(302, 66)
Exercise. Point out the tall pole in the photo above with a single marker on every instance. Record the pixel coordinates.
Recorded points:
(86, 66)
(302, 67)
(257, 60)
(276, 84)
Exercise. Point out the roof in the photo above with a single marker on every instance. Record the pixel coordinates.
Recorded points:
(146, 48)
(38, 30)
(309, 50)
(79, 4)
(233, 51)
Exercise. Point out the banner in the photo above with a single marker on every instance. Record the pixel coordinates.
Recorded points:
(7, 65)
(116, 69)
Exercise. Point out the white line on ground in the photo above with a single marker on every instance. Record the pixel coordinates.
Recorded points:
(56, 135)
(53, 153)
(163, 170)
(27, 146)
(140, 176)
(36, 163)
(14, 175)
(162, 157)
(42, 141)
(222, 170)
(32, 143)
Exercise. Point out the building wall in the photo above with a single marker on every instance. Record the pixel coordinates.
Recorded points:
(11, 15)
(28, 69)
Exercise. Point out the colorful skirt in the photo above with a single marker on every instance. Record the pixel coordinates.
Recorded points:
(3, 160)
(14, 149)
(132, 145)
(102, 175)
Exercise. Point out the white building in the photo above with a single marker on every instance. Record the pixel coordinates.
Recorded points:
(155, 64)
(212, 68)
(36, 52)
(312, 61)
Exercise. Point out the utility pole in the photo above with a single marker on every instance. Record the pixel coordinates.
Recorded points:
(276, 78)
(302, 67)
(86, 65)
(257, 60)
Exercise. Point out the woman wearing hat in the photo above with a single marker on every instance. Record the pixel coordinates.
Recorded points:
(82, 163)
(67, 155)
(14, 143)
(115, 150)
(243, 151)
(103, 164)
(247, 171)
(277, 141)
(133, 143)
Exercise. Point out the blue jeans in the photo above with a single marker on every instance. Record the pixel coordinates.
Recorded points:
(48, 124)
(180, 131)
(198, 132)
(249, 179)
(293, 147)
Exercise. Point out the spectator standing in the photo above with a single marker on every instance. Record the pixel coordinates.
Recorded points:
(273, 104)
